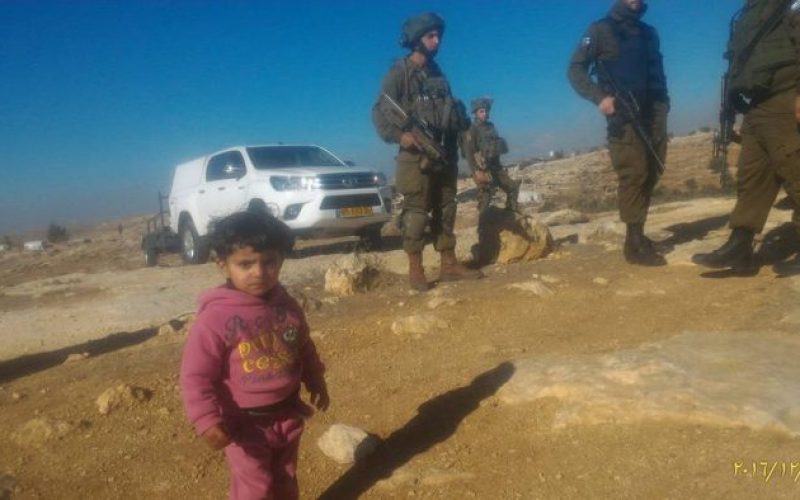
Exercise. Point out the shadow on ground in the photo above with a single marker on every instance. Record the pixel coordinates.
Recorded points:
(434, 423)
(685, 232)
(31, 363)
(388, 243)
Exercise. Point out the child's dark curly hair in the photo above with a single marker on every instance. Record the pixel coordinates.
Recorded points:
(242, 229)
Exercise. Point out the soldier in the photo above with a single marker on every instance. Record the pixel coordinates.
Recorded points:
(428, 185)
(764, 85)
(624, 55)
(482, 148)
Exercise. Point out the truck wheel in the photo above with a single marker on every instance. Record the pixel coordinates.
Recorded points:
(150, 256)
(371, 239)
(194, 249)
(258, 207)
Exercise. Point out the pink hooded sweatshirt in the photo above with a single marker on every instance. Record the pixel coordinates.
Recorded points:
(245, 352)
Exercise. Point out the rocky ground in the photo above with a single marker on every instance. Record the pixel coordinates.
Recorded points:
(572, 376)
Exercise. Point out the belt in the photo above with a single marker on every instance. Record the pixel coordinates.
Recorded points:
(290, 402)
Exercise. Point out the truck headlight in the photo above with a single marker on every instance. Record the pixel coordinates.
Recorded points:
(293, 182)
(379, 179)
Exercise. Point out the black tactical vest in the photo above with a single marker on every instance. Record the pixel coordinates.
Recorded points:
(632, 69)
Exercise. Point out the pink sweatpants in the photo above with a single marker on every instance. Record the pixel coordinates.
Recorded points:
(263, 457)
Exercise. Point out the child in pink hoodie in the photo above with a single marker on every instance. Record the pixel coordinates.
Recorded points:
(247, 353)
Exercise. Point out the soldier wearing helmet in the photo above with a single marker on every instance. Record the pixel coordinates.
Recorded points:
(482, 147)
(428, 186)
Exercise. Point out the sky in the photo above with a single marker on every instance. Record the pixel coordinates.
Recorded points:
(99, 100)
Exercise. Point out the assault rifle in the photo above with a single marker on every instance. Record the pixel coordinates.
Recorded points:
(729, 102)
(632, 111)
(423, 133)
(726, 134)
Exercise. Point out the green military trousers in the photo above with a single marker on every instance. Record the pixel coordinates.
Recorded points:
(430, 192)
(770, 158)
(501, 179)
(635, 167)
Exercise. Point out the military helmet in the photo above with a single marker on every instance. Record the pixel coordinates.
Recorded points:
(481, 103)
(416, 26)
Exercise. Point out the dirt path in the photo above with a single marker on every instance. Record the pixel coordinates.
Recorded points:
(433, 397)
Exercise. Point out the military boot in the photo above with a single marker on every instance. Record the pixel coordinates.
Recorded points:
(452, 270)
(639, 249)
(788, 267)
(416, 273)
(736, 253)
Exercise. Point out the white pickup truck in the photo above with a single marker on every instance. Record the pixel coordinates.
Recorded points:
(306, 186)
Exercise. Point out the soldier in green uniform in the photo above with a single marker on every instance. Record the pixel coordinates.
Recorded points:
(417, 84)
(482, 147)
(764, 85)
(624, 56)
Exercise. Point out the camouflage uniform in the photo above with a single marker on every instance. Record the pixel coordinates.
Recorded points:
(482, 147)
(425, 93)
(428, 186)
(764, 81)
(623, 49)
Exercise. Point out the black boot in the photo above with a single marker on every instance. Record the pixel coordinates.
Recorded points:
(788, 267)
(639, 249)
(736, 253)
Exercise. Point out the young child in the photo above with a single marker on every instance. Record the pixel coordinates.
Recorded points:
(247, 353)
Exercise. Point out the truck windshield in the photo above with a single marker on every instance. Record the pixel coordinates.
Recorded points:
(264, 157)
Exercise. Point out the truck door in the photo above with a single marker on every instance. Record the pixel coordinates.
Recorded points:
(224, 192)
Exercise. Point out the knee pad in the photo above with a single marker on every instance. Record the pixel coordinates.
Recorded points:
(414, 222)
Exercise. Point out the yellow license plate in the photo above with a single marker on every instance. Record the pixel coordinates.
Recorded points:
(355, 211)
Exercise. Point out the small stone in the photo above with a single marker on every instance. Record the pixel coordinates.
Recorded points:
(123, 395)
(38, 431)
(534, 287)
(437, 302)
(346, 444)
(76, 357)
(418, 324)
(166, 329)
(600, 281)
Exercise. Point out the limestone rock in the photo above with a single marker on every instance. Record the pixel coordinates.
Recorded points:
(565, 217)
(351, 274)
(346, 444)
(437, 302)
(122, 396)
(38, 431)
(535, 287)
(508, 237)
(418, 324)
(612, 233)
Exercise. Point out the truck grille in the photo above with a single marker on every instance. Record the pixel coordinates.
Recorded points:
(350, 200)
(346, 181)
